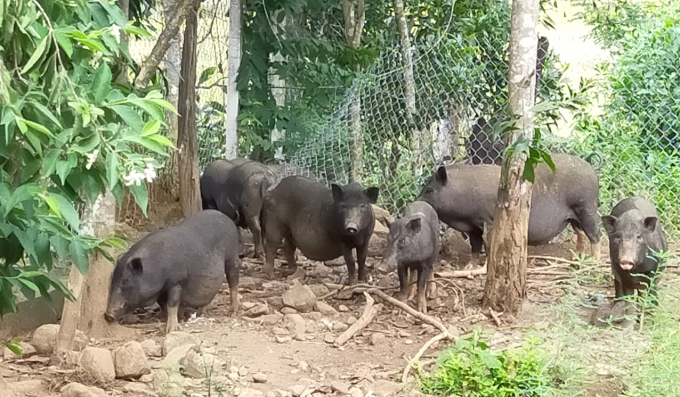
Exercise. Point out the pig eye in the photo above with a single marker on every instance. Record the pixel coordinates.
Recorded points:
(363, 205)
(429, 190)
(401, 242)
(639, 237)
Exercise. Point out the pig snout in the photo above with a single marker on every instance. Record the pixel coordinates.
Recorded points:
(626, 265)
(109, 317)
(351, 228)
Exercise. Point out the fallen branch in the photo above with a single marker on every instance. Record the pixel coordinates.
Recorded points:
(408, 309)
(360, 288)
(463, 273)
(495, 317)
(370, 311)
(427, 345)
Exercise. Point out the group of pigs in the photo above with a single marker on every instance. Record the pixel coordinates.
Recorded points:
(184, 265)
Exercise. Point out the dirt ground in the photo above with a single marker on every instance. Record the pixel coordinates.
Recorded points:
(372, 361)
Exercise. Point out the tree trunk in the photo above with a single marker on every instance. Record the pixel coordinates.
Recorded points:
(173, 60)
(172, 25)
(507, 261)
(189, 188)
(354, 25)
(417, 144)
(278, 87)
(233, 65)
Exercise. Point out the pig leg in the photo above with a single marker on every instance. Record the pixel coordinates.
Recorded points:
(272, 243)
(412, 281)
(231, 269)
(424, 275)
(289, 253)
(172, 308)
(476, 243)
(362, 254)
(253, 223)
(402, 272)
(351, 267)
(618, 288)
(588, 221)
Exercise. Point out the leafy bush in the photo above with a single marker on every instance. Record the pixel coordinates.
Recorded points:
(471, 369)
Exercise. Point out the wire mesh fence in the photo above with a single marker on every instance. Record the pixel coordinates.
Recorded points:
(627, 132)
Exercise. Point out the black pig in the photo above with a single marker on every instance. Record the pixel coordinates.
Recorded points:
(323, 223)
(634, 233)
(413, 245)
(178, 266)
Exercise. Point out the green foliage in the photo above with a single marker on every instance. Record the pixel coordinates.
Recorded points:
(68, 131)
(472, 369)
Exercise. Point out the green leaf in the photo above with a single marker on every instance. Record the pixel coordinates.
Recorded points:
(29, 284)
(42, 251)
(112, 163)
(141, 195)
(38, 127)
(29, 169)
(79, 256)
(101, 83)
(39, 51)
(65, 43)
(151, 127)
(88, 144)
(63, 169)
(67, 211)
(148, 143)
(149, 106)
(161, 140)
(49, 163)
(129, 116)
(206, 74)
(60, 245)
(116, 242)
(14, 346)
(22, 193)
(46, 112)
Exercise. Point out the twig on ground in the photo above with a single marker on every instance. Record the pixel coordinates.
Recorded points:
(358, 288)
(408, 309)
(495, 317)
(370, 311)
(427, 345)
(457, 289)
(462, 273)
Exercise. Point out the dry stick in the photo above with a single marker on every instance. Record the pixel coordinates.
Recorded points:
(350, 288)
(435, 339)
(457, 289)
(370, 311)
(495, 317)
(463, 273)
(408, 309)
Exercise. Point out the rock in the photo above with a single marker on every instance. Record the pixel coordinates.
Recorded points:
(299, 297)
(275, 302)
(382, 216)
(33, 387)
(340, 387)
(453, 244)
(151, 348)
(258, 310)
(168, 383)
(329, 338)
(80, 390)
(172, 360)
(325, 308)
(250, 393)
(248, 305)
(260, 378)
(136, 389)
(321, 271)
(5, 386)
(200, 365)
(319, 290)
(340, 327)
(271, 319)
(343, 308)
(178, 338)
(297, 390)
(27, 350)
(97, 364)
(130, 361)
(386, 388)
(279, 331)
(288, 310)
(251, 283)
(377, 338)
(291, 320)
(377, 244)
(45, 338)
(355, 391)
(351, 320)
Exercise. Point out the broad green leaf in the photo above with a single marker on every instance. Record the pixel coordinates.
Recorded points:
(38, 127)
(101, 83)
(46, 112)
(29, 284)
(29, 169)
(88, 144)
(112, 163)
(161, 140)
(49, 164)
(53, 205)
(141, 196)
(149, 107)
(20, 123)
(206, 74)
(67, 211)
(148, 143)
(79, 256)
(42, 251)
(65, 43)
(22, 193)
(63, 169)
(60, 245)
(151, 127)
(37, 54)
(116, 242)
(129, 116)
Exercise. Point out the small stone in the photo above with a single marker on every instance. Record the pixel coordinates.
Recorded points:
(303, 365)
(351, 320)
(45, 338)
(316, 316)
(148, 378)
(297, 390)
(283, 339)
(408, 342)
(79, 390)
(299, 297)
(377, 338)
(404, 334)
(32, 387)
(151, 348)
(329, 338)
(275, 302)
(356, 392)
(279, 331)
(174, 357)
(319, 290)
(340, 327)
(130, 361)
(288, 310)
(135, 389)
(248, 305)
(168, 383)
(199, 365)
(250, 393)
(340, 387)
(243, 371)
(177, 339)
(233, 376)
(271, 319)
(258, 310)
(260, 378)
(386, 388)
(251, 283)
(343, 308)
(97, 364)
(325, 308)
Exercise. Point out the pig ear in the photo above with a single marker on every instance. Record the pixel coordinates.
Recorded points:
(609, 221)
(337, 192)
(136, 266)
(441, 175)
(372, 194)
(414, 224)
(650, 223)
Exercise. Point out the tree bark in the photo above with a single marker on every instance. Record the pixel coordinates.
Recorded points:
(354, 24)
(233, 65)
(278, 88)
(173, 60)
(507, 261)
(189, 188)
(172, 25)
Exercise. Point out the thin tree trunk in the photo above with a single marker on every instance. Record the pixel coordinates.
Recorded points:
(417, 144)
(507, 261)
(278, 87)
(189, 188)
(233, 65)
(173, 60)
(354, 25)
(172, 25)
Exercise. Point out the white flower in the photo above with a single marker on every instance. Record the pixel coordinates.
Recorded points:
(133, 178)
(91, 158)
(115, 32)
(150, 172)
